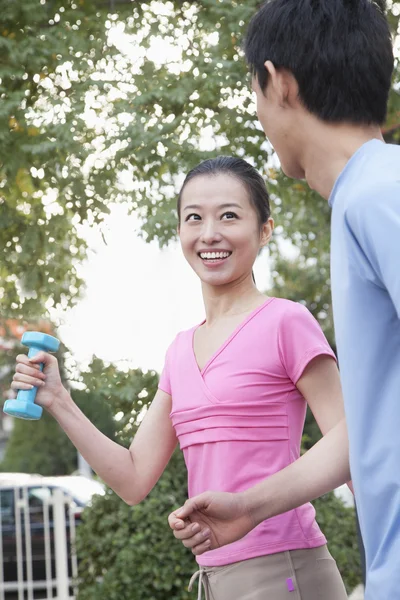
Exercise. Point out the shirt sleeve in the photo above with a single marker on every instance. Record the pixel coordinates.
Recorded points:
(300, 340)
(164, 383)
(374, 222)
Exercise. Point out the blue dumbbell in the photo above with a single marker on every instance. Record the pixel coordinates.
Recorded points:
(24, 406)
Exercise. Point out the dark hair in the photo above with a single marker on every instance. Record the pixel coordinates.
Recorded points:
(241, 170)
(339, 51)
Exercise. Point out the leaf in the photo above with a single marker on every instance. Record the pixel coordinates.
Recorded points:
(23, 181)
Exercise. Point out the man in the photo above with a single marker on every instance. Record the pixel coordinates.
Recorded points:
(322, 74)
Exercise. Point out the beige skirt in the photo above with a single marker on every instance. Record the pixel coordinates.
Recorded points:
(309, 574)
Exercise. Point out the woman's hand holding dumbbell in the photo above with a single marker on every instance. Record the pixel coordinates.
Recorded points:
(28, 375)
(115, 464)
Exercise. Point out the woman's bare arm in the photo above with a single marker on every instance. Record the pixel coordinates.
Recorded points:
(132, 472)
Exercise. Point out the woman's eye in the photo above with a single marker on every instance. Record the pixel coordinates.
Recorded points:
(229, 216)
(193, 217)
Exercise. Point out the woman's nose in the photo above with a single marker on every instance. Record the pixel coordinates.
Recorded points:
(210, 233)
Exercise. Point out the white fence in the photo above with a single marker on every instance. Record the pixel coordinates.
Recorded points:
(37, 544)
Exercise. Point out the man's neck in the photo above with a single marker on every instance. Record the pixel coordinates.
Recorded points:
(329, 149)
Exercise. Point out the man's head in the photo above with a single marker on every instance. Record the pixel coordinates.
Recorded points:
(332, 59)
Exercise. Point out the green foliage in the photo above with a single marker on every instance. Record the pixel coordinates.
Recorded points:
(42, 447)
(311, 432)
(128, 393)
(45, 48)
(39, 447)
(339, 526)
(306, 224)
(130, 553)
(88, 97)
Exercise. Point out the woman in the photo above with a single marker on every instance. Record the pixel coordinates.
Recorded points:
(234, 392)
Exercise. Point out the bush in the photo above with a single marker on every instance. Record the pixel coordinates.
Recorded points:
(130, 554)
(339, 526)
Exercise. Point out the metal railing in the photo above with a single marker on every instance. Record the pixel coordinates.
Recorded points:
(44, 547)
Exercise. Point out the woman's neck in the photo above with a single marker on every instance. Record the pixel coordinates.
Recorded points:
(227, 301)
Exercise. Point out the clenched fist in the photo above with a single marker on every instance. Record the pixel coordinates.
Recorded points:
(28, 375)
(211, 520)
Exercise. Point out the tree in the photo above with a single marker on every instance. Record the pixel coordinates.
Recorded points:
(89, 119)
(128, 393)
(42, 44)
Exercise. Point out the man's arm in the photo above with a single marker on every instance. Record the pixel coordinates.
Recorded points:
(214, 519)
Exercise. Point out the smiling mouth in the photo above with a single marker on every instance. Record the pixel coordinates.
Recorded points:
(214, 257)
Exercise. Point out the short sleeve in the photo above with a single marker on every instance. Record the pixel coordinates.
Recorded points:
(375, 223)
(164, 383)
(300, 340)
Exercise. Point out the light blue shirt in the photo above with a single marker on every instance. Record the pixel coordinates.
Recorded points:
(365, 272)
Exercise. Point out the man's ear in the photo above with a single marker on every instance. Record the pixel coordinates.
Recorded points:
(283, 84)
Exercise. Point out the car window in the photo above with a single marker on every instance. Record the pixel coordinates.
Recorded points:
(81, 490)
(38, 495)
(36, 498)
(7, 514)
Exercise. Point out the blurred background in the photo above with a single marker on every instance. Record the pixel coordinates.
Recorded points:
(105, 106)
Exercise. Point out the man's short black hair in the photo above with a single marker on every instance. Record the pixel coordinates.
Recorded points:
(339, 51)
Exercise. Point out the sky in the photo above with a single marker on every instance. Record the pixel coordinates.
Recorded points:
(137, 298)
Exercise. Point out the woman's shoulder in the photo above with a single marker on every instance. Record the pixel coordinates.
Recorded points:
(182, 337)
(283, 307)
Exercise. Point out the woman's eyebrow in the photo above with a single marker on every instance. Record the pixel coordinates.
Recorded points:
(225, 205)
(229, 205)
(192, 207)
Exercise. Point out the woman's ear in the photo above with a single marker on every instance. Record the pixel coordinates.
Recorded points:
(266, 233)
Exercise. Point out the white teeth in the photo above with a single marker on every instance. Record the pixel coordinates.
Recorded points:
(214, 255)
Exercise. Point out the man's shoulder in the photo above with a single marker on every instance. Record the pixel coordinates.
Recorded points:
(377, 183)
(373, 176)
(374, 195)
(374, 205)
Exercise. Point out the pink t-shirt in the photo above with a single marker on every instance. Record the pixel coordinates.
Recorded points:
(241, 418)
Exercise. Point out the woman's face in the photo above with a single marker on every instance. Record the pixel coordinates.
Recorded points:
(219, 231)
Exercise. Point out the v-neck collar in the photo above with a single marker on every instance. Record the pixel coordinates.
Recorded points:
(234, 333)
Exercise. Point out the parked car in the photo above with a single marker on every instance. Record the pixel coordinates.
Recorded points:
(30, 492)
